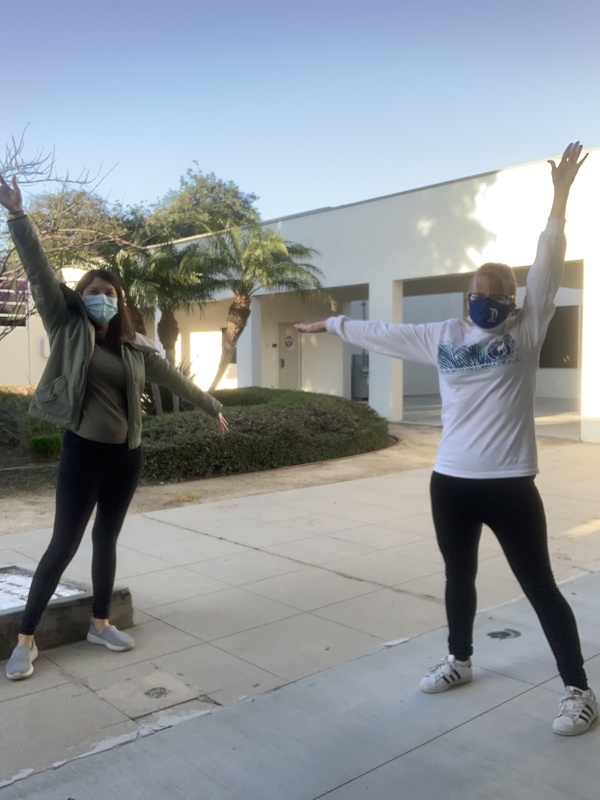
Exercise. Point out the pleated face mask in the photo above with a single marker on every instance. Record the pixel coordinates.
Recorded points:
(100, 308)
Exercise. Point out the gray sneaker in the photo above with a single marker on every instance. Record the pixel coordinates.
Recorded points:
(20, 665)
(110, 637)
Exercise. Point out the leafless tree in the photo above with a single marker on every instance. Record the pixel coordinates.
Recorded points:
(35, 169)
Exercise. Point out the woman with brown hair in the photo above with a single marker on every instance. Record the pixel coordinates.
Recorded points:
(91, 388)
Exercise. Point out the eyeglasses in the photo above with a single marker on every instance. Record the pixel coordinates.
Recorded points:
(504, 299)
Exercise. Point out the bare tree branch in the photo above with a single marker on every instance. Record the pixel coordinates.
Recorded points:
(40, 168)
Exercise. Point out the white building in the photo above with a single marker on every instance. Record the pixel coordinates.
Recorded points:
(404, 257)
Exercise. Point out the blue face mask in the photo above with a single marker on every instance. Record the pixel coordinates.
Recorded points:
(100, 308)
(487, 313)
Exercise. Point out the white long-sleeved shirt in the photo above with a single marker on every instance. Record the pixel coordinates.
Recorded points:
(487, 377)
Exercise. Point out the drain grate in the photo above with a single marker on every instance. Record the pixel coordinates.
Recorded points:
(507, 633)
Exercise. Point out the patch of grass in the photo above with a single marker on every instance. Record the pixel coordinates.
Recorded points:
(191, 497)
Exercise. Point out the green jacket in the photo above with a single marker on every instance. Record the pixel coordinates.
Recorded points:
(60, 392)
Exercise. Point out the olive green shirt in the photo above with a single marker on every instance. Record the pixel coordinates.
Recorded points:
(104, 412)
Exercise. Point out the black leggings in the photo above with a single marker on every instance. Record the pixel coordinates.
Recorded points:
(89, 473)
(513, 509)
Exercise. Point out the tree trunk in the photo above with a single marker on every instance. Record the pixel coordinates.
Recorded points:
(237, 319)
(137, 320)
(158, 406)
(168, 332)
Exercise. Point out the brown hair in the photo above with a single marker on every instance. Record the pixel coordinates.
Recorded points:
(120, 328)
(500, 277)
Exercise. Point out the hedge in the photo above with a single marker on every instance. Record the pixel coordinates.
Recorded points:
(269, 428)
(17, 427)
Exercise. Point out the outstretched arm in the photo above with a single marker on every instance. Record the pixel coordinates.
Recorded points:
(311, 327)
(410, 342)
(563, 176)
(158, 370)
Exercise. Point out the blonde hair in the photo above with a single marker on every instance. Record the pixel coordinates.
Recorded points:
(500, 279)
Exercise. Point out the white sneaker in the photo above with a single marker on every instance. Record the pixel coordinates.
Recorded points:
(576, 712)
(448, 673)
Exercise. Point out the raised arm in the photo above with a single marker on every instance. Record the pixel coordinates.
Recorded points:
(544, 277)
(46, 291)
(563, 176)
(10, 197)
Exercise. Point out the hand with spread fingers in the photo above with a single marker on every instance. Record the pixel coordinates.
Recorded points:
(10, 198)
(563, 176)
(222, 423)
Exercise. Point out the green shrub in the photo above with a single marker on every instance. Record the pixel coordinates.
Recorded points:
(17, 427)
(254, 396)
(44, 448)
(268, 429)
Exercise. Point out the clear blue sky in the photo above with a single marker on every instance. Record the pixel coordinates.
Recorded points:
(307, 104)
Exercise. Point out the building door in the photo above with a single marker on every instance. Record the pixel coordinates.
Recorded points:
(289, 357)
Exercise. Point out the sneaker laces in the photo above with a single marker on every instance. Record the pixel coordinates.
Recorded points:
(572, 703)
(445, 662)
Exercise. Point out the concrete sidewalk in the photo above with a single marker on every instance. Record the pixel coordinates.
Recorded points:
(300, 591)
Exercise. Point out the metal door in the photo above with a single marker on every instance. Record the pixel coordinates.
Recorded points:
(289, 357)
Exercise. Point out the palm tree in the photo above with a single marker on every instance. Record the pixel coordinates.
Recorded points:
(131, 267)
(174, 281)
(169, 279)
(243, 261)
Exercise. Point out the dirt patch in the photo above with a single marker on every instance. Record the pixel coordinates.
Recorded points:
(416, 448)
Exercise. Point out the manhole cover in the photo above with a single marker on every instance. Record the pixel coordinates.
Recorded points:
(507, 633)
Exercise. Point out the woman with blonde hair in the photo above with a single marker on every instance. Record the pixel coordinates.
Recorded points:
(487, 460)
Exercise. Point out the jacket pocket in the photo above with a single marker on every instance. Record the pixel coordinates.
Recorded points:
(53, 391)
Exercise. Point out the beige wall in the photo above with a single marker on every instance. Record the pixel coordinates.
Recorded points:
(450, 230)
(23, 354)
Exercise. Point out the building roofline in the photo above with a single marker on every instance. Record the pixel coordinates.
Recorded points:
(326, 209)
(412, 191)
(385, 196)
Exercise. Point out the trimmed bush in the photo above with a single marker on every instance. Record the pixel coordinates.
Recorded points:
(44, 448)
(258, 396)
(17, 426)
(269, 428)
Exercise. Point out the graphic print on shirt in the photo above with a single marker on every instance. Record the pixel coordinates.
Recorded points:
(482, 355)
